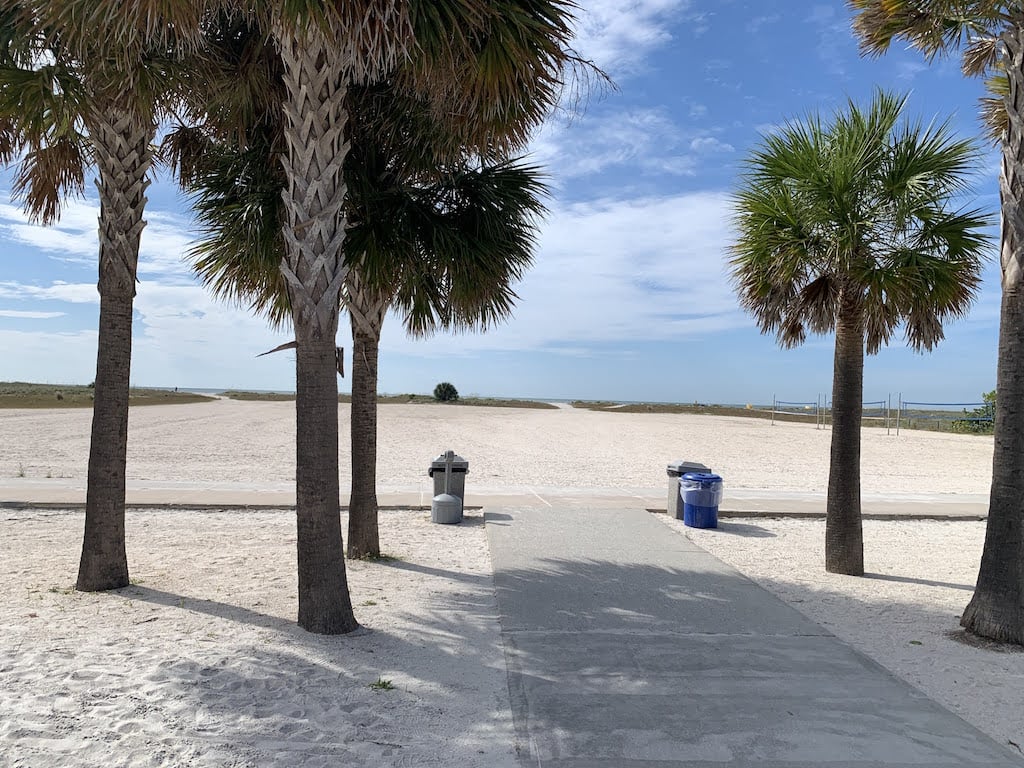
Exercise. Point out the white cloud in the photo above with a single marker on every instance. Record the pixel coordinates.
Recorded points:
(29, 315)
(709, 144)
(619, 34)
(182, 337)
(64, 358)
(73, 239)
(73, 293)
(836, 44)
(645, 140)
(614, 271)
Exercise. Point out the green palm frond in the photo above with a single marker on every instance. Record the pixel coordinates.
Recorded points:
(57, 73)
(858, 209)
(494, 68)
(943, 27)
(935, 27)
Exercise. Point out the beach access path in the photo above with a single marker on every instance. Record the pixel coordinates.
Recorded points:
(627, 645)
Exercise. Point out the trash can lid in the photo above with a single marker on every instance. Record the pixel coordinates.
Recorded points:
(677, 468)
(702, 477)
(459, 465)
(457, 461)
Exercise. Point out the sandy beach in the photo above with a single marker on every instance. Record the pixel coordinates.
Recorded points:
(199, 661)
(251, 445)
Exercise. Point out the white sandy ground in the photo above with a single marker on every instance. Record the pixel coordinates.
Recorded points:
(200, 663)
(904, 614)
(254, 442)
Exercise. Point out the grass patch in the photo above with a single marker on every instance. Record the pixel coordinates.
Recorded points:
(236, 394)
(382, 685)
(487, 402)
(21, 394)
(409, 399)
(381, 558)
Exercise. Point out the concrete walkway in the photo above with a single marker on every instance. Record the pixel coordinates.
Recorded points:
(628, 646)
(64, 492)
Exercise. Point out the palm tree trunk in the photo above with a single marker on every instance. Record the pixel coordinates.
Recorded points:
(367, 315)
(996, 610)
(314, 231)
(844, 538)
(122, 149)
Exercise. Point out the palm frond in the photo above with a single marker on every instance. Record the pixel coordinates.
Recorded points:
(858, 210)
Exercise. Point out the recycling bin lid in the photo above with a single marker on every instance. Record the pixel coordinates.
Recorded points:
(702, 477)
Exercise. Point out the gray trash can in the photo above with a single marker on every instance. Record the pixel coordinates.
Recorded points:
(675, 471)
(457, 486)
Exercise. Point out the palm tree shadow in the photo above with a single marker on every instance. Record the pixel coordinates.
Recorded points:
(912, 580)
(213, 608)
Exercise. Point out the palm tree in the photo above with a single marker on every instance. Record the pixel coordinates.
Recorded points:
(990, 36)
(847, 227)
(492, 68)
(445, 255)
(72, 98)
(442, 247)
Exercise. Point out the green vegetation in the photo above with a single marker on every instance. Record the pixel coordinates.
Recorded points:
(20, 394)
(446, 392)
(382, 685)
(979, 421)
(489, 402)
(408, 399)
(235, 394)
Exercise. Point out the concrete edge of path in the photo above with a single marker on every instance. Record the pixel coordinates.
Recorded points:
(937, 512)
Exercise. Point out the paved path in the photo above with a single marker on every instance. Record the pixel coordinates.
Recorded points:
(630, 647)
(737, 503)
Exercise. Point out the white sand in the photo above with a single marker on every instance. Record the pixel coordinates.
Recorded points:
(201, 663)
(239, 442)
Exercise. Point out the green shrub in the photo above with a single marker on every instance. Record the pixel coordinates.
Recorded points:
(979, 421)
(446, 392)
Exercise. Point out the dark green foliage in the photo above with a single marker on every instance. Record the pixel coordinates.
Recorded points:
(446, 392)
(979, 421)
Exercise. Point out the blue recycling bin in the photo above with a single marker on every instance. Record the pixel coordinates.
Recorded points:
(702, 493)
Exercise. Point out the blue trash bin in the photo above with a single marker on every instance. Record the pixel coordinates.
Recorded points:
(702, 493)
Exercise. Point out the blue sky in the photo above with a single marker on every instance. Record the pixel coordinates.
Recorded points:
(628, 298)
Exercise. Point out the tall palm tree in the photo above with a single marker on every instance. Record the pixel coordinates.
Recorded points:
(442, 247)
(848, 227)
(485, 65)
(990, 35)
(499, 64)
(444, 254)
(73, 98)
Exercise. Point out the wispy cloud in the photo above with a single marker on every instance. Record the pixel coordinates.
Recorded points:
(73, 239)
(181, 332)
(619, 34)
(617, 271)
(836, 45)
(709, 144)
(73, 293)
(644, 140)
(29, 314)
